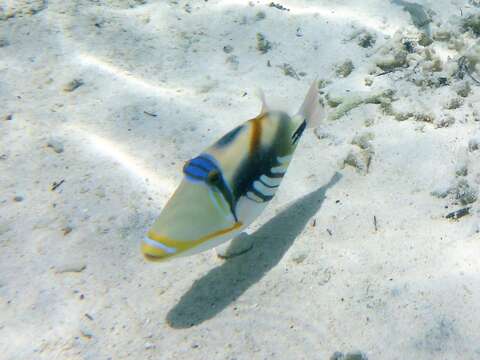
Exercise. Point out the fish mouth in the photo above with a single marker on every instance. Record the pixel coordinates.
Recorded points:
(155, 250)
(153, 258)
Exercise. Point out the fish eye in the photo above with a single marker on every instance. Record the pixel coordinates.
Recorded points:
(213, 176)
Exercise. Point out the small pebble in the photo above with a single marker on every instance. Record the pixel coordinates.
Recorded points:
(392, 61)
(233, 62)
(464, 89)
(445, 121)
(366, 39)
(68, 268)
(86, 334)
(465, 192)
(357, 355)
(67, 230)
(337, 355)
(278, 6)
(455, 215)
(472, 23)
(421, 117)
(9, 117)
(227, 49)
(344, 69)
(288, 70)
(299, 258)
(18, 198)
(260, 16)
(73, 85)
(359, 159)
(56, 145)
(363, 140)
(263, 45)
(454, 103)
(474, 144)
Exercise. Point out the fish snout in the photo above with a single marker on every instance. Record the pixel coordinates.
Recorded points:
(154, 250)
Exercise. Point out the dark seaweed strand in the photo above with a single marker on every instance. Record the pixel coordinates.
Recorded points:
(261, 161)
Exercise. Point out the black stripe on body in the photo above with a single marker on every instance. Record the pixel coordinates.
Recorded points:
(275, 176)
(267, 185)
(261, 160)
(261, 195)
(204, 169)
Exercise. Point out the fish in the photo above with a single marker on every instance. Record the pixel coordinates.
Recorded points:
(226, 187)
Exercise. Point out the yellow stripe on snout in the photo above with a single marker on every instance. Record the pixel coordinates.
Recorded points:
(156, 254)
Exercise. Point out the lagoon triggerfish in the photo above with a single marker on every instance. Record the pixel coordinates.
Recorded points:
(227, 186)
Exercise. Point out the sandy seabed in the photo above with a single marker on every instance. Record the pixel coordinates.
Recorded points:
(371, 248)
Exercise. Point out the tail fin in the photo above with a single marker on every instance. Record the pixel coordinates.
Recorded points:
(312, 110)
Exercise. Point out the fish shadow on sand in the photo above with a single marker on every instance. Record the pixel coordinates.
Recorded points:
(221, 286)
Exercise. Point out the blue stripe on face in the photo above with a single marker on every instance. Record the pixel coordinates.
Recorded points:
(205, 162)
(198, 168)
(195, 172)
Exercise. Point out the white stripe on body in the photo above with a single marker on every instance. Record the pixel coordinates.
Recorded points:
(254, 197)
(270, 181)
(279, 169)
(265, 190)
(284, 159)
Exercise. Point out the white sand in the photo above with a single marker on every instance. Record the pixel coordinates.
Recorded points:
(73, 284)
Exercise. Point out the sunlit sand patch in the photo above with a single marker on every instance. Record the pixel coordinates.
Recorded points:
(353, 14)
(349, 14)
(137, 10)
(113, 150)
(140, 84)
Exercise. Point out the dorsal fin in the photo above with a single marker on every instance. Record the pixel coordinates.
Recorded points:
(260, 94)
